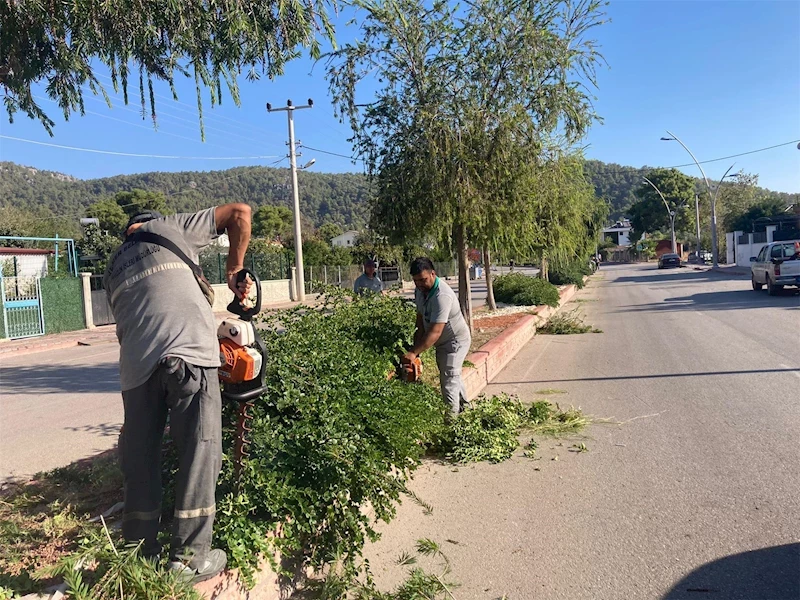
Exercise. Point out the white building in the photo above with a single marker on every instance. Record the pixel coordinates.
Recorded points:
(24, 262)
(619, 234)
(346, 240)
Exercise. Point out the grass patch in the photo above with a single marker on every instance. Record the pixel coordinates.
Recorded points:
(41, 521)
(549, 392)
(567, 323)
(582, 300)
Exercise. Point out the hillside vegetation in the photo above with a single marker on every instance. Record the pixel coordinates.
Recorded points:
(324, 197)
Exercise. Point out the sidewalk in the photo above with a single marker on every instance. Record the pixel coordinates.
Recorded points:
(104, 334)
(722, 269)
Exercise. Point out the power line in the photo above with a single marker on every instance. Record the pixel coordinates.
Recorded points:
(94, 151)
(702, 162)
(333, 153)
(192, 109)
(163, 114)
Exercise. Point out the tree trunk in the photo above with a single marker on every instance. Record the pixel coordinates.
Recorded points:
(544, 268)
(464, 290)
(487, 266)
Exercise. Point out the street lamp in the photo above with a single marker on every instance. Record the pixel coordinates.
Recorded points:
(671, 215)
(713, 195)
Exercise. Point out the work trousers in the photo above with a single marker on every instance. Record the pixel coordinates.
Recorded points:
(450, 360)
(191, 396)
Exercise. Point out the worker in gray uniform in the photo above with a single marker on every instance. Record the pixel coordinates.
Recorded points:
(169, 356)
(440, 324)
(368, 281)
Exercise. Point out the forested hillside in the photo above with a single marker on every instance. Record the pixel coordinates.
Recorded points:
(324, 197)
(339, 198)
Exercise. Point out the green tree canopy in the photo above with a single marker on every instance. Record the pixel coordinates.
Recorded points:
(112, 218)
(328, 231)
(272, 222)
(459, 92)
(213, 41)
(755, 217)
(136, 201)
(649, 214)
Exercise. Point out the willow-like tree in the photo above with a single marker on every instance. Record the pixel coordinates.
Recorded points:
(61, 44)
(453, 92)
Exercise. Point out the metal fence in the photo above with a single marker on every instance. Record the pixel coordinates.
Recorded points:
(266, 266)
(760, 237)
(20, 298)
(345, 276)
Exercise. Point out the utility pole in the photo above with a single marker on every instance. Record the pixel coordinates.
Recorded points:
(713, 195)
(300, 280)
(697, 218)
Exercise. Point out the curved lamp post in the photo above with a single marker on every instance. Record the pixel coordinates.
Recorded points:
(671, 215)
(712, 194)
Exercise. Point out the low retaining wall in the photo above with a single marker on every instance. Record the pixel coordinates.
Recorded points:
(495, 354)
(272, 292)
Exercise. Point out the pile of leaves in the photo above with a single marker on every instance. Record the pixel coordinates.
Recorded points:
(567, 323)
(489, 430)
(516, 288)
(572, 272)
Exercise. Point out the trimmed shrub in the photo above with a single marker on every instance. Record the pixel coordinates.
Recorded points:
(62, 304)
(331, 435)
(569, 273)
(516, 288)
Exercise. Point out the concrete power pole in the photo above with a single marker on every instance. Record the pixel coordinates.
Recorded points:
(697, 219)
(300, 281)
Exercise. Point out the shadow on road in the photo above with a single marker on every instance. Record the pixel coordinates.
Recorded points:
(766, 574)
(652, 274)
(60, 379)
(101, 429)
(658, 376)
(730, 300)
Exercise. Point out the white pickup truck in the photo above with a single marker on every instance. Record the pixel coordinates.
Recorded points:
(777, 265)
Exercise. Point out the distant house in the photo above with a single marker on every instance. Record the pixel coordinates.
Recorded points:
(24, 262)
(619, 234)
(345, 240)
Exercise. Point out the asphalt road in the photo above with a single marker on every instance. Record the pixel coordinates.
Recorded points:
(694, 494)
(58, 406)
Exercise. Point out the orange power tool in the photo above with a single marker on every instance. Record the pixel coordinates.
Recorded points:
(243, 371)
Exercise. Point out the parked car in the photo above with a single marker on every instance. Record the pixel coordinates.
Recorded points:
(777, 265)
(668, 260)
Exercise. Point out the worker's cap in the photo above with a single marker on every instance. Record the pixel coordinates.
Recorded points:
(370, 263)
(143, 217)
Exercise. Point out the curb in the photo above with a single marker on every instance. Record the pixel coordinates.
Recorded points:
(494, 355)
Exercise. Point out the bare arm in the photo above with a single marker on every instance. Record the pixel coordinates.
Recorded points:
(235, 219)
(424, 339)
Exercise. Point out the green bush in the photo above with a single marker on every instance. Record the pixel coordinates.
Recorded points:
(569, 273)
(516, 288)
(331, 436)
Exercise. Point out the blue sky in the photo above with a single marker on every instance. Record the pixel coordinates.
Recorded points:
(723, 76)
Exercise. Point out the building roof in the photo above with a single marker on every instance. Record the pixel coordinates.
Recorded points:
(24, 251)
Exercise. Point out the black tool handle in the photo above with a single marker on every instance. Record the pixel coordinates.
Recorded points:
(246, 314)
(244, 396)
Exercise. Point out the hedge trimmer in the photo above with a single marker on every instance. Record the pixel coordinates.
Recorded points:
(243, 370)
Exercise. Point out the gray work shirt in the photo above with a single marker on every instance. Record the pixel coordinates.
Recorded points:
(364, 283)
(441, 306)
(157, 304)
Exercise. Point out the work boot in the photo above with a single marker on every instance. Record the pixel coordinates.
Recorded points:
(214, 564)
